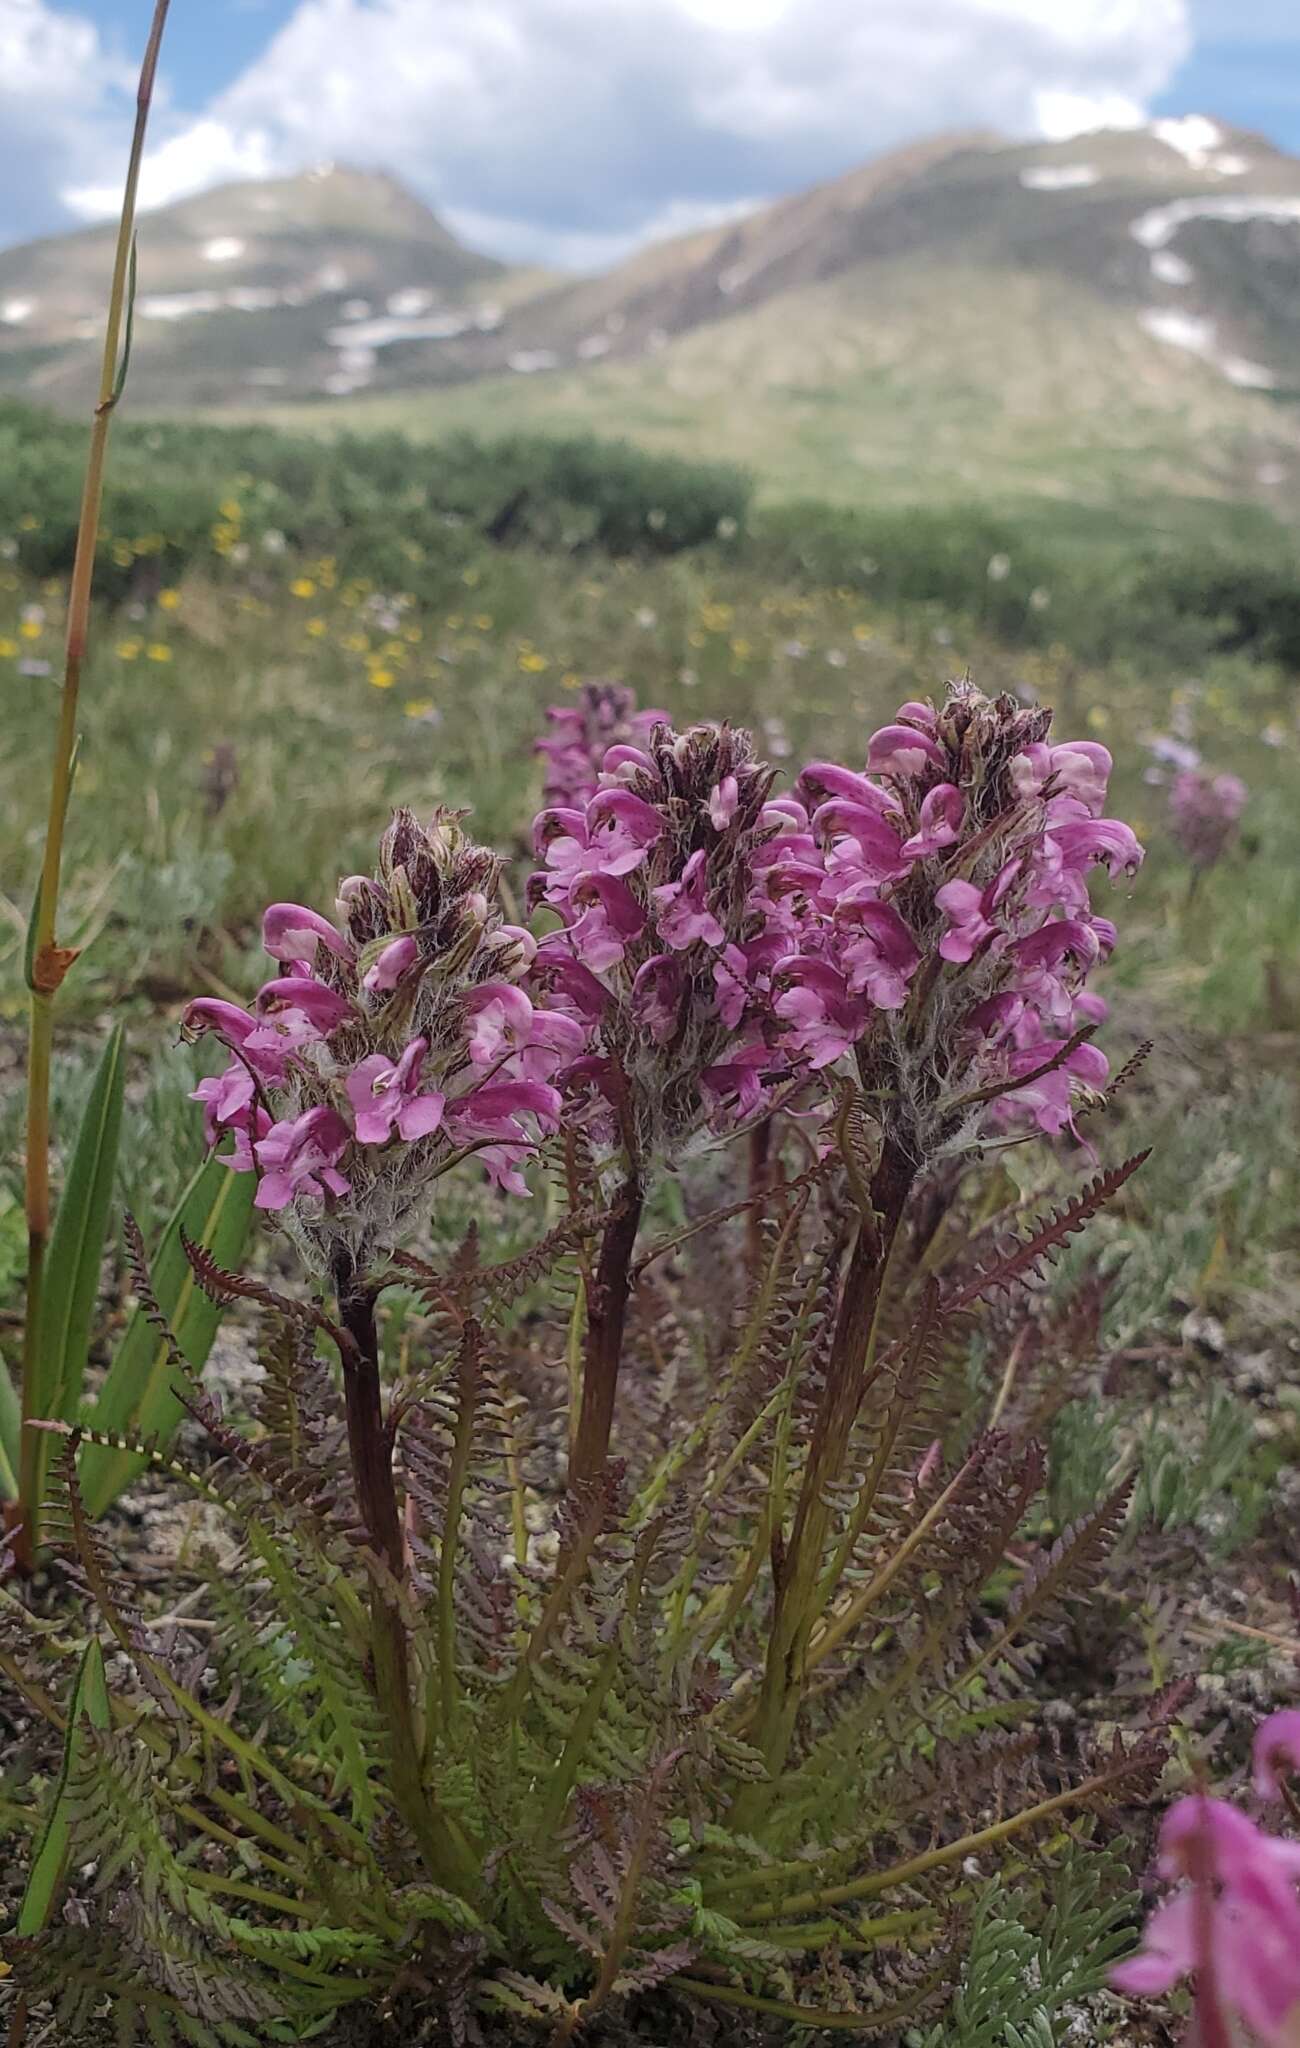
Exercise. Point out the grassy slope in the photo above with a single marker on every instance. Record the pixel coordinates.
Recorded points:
(996, 388)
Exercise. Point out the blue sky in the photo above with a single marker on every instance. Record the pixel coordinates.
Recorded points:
(568, 130)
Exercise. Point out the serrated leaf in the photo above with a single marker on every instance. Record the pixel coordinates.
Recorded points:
(71, 1278)
(138, 1397)
(45, 1879)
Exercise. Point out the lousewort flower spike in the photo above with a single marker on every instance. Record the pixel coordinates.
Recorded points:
(944, 930)
(1205, 813)
(387, 1043)
(666, 935)
(581, 734)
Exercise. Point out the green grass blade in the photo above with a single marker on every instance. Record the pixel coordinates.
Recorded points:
(137, 1397)
(45, 1879)
(76, 1249)
(11, 1431)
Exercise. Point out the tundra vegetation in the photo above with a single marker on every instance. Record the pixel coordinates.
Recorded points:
(652, 1392)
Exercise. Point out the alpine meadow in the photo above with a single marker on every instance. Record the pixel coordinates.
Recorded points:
(649, 1174)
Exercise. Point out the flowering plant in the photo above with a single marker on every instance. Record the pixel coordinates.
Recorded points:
(1235, 1926)
(396, 1041)
(1204, 813)
(543, 1650)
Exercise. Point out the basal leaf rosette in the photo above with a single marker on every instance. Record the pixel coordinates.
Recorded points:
(390, 1042)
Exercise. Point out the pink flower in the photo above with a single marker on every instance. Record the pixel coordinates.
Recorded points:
(902, 751)
(682, 915)
(1275, 1752)
(736, 1085)
(206, 1013)
(291, 932)
(263, 1045)
(1086, 840)
(970, 912)
(1078, 768)
(386, 1097)
(822, 780)
(226, 1098)
(942, 812)
(621, 828)
(493, 1109)
(610, 918)
(568, 984)
(657, 997)
(555, 1038)
(500, 1018)
(815, 1006)
(863, 846)
(881, 955)
(1049, 1099)
(582, 733)
(722, 802)
(299, 1158)
(1237, 1928)
(396, 959)
(296, 996)
(1041, 955)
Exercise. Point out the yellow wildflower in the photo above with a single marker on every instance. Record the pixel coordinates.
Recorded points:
(169, 600)
(302, 586)
(157, 650)
(382, 678)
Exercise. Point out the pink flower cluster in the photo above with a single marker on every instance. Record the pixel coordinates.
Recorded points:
(926, 918)
(1236, 1925)
(949, 930)
(656, 880)
(386, 1043)
(581, 733)
(1204, 813)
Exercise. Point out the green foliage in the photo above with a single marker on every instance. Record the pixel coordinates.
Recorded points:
(1034, 1952)
(13, 1243)
(1030, 583)
(407, 523)
(1211, 1475)
(89, 1704)
(527, 1765)
(137, 1396)
(52, 1389)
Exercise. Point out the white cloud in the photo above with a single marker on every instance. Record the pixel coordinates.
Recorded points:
(570, 129)
(202, 154)
(63, 101)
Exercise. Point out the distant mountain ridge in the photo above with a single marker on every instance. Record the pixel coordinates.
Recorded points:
(243, 290)
(961, 316)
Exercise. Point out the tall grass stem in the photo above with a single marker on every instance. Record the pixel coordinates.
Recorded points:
(48, 961)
